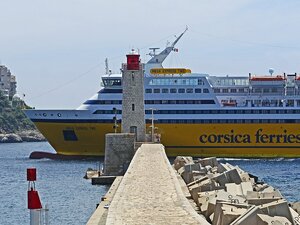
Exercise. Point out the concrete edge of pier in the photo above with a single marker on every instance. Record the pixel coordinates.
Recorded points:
(100, 214)
(181, 194)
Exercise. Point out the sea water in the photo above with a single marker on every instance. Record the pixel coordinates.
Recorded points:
(72, 199)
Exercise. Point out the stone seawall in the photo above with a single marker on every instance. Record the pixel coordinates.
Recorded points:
(22, 136)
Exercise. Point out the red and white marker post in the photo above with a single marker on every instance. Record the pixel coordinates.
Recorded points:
(34, 203)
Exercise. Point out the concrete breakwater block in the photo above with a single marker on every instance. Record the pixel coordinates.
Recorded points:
(296, 206)
(239, 189)
(212, 162)
(225, 194)
(91, 173)
(226, 213)
(180, 161)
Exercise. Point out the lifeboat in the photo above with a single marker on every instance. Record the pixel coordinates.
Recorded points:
(268, 78)
(229, 103)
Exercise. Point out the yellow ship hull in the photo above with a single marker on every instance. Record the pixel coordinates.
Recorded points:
(220, 140)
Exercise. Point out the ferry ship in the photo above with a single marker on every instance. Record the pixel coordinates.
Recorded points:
(195, 114)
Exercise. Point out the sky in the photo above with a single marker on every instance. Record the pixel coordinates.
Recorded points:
(57, 48)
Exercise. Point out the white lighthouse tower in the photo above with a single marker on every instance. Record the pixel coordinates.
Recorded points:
(133, 109)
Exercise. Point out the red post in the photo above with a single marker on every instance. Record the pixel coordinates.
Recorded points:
(34, 201)
(31, 174)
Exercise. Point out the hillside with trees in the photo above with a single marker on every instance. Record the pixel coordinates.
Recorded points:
(14, 125)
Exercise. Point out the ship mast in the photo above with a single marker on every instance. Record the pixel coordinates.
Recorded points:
(157, 60)
(106, 66)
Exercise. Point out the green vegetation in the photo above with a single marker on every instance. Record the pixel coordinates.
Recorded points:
(12, 118)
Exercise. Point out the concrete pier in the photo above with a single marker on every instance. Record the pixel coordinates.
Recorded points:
(150, 193)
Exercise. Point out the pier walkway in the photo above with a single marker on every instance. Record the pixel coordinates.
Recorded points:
(150, 193)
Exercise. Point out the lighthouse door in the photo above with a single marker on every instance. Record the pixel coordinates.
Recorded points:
(133, 129)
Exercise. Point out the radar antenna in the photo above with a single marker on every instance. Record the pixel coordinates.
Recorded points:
(153, 51)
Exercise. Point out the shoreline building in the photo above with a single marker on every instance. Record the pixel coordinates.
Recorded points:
(8, 83)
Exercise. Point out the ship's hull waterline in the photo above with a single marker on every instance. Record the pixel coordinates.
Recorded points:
(220, 140)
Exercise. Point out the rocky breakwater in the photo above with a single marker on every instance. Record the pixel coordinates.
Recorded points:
(225, 194)
(22, 136)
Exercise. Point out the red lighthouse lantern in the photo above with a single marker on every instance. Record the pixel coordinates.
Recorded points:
(133, 61)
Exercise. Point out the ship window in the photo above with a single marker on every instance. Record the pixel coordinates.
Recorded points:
(241, 90)
(200, 82)
(225, 90)
(108, 91)
(148, 91)
(115, 102)
(217, 90)
(69, 135)
(164, 81)
(197, 90)
(99, 112)
(205, 90)
(132, 106)
(266, 90)
(207, 102)
(181, 90)
(107, 102)
(173, 90)
(233, 90)
(165, 90)
(112, 82)
(156, 90)
(189, 90)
